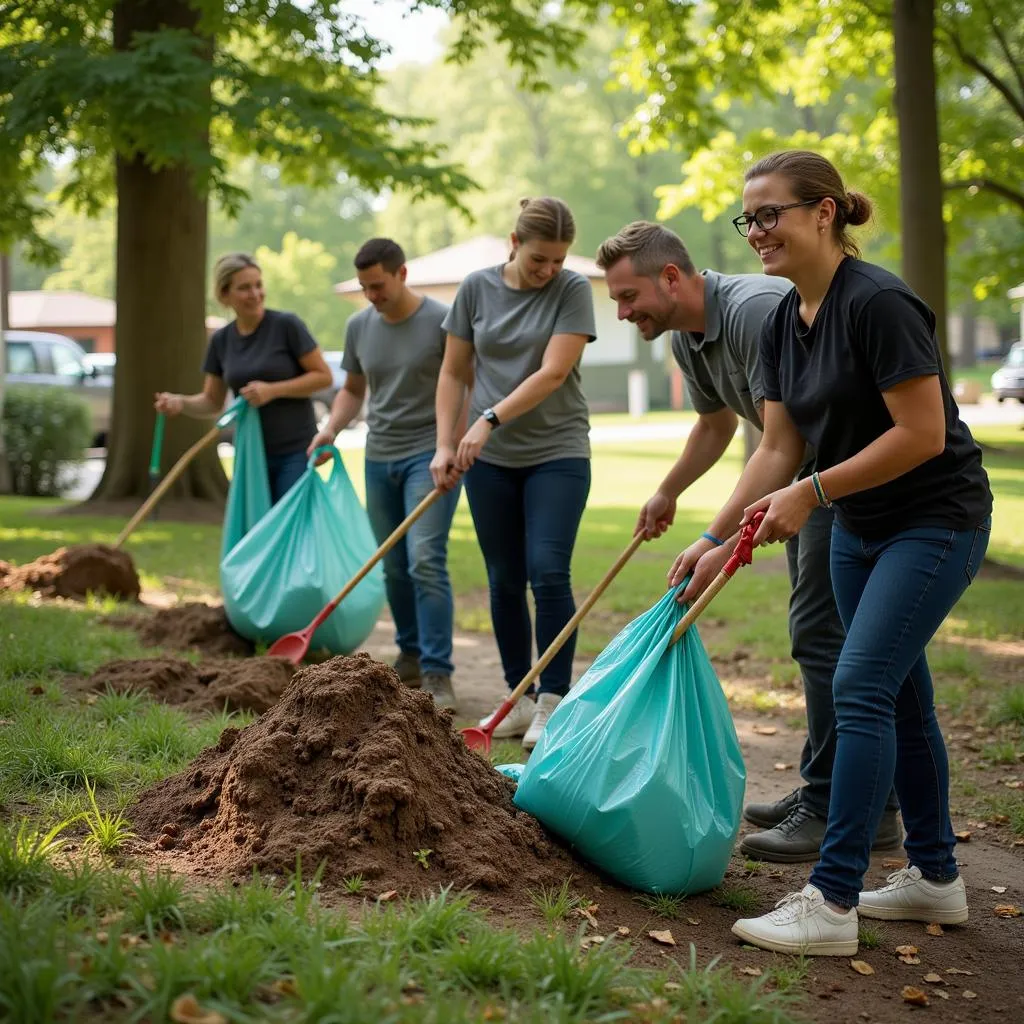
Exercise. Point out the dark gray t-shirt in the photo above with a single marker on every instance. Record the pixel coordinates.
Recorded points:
(401, 363)
(722, 366)
(271, 353)
(509, 329)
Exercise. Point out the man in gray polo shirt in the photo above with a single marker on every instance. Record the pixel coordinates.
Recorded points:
(716, 322)
(396, 346)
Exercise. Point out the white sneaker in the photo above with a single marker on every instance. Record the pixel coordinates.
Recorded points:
(546, 703)
(910, 897)
(515, 723)
(802, 923)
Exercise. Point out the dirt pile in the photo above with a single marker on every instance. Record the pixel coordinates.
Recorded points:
(252, 684)
(192, 626)
(75, 572)
(353, 768)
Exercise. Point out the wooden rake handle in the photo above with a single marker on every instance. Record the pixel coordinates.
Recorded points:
(570, 627)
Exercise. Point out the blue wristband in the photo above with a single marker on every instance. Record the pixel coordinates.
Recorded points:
(714, 540)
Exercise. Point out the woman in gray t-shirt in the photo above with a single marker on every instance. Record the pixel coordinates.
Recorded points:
(516, 333)
(270, 359)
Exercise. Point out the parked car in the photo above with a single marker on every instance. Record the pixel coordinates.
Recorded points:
(103, 363)
(1008, 380)
(38, 359)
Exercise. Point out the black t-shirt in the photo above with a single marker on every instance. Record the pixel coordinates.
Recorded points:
(271, 353)
(871, 333)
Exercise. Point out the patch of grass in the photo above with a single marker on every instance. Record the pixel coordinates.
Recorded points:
(112, 706)
(53, 752)
(788, 973)
(753, 867)
(354, 885)
(26, 853)
(1010, 807)
(157, 900)
(662, 905)
(107, 831)
(870, 935)
(740, 898)
(1002, 752)
(555, 904)
(1010, 707)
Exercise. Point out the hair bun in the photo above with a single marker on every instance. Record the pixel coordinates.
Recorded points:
(858, 208)
(525, 202)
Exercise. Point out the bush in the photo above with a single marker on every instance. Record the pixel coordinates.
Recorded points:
(43, 427)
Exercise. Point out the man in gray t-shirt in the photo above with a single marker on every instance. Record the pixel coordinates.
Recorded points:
(717, 320)
(395, 347)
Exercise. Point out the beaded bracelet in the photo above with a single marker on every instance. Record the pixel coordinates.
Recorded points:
(819, 492)
(714, 540)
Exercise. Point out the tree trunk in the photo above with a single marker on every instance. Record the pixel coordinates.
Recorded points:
(5, 289)
(160, 291)
(924, 232)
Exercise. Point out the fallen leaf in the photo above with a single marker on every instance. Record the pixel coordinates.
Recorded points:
(285, 987)
(912, 960)
(765, 730)
(587, 916)
(1015, 784)
(781, 766)
(861, 967)
(671, 986)
(695, 921)
(494, 1013)
(663, 938)
(893, 862)
(186, 1010)
(938, 992)
(622, 931)
(1000, 889)
(754, 972)
(906, 950)
(591, 940)
(957, 970)
(1006, 910)
(102, 938)
(914, 996)
(384, 897)
(934, 928)
(962, 837)
(1000, 819)
(968, 994)
(593, 908)
(934, 979)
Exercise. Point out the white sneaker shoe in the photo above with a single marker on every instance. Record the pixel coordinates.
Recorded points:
(910, 897)
(515, 723)
(802, 923)
(546, 703)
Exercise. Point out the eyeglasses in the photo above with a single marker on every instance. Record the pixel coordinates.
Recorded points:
(766, 218)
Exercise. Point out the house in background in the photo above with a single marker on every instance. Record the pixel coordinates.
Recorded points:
(89, 319)
(619, 369)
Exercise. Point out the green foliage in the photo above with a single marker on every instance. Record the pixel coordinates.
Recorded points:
(107, 831)
(740, 898)
(26, 852)
(43, 428)
(663, 905)
(555, 903)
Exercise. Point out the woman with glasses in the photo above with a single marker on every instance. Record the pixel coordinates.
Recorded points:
(851, 365)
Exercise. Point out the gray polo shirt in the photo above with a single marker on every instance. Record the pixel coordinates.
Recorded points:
(509, 329)
(401, 362)
(722, 366)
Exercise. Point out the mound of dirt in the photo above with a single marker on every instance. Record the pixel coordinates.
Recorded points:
(352, 768)
(75, 572)
(252, 684)
(192, 626)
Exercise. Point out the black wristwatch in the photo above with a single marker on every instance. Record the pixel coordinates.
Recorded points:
(492, 417)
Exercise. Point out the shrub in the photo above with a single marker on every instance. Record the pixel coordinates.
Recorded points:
(43, 427)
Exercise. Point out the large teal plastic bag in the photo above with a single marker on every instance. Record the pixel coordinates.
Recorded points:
(639, 766)
(280, 565)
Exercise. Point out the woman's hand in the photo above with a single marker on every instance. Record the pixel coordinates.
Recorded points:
(657, 515)
(443, 468)
(785, 512)
(704, 560)
(472, 442)
(258, 392)
(322, 440)
(169, 403)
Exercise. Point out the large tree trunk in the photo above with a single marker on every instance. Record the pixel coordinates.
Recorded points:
(923, 230)
(5, 289)
(160, 291)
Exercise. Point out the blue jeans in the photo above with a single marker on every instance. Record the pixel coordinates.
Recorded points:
(416, 568)
(893, 595)
(526, 520)
(284, 471)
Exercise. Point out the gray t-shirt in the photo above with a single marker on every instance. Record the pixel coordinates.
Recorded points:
(722, 366)
(401, 363)
(509, 329)
(271, 353)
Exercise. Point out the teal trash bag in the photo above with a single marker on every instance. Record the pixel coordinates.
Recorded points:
(639, 767)
(510, 771)
(280, 566)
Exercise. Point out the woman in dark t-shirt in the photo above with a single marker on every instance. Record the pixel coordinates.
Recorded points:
(267, 357)
(851, 365)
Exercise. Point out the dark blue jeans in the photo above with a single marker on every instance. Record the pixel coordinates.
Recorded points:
(526, 520)
(416, 568)
(284, 471)
(893, 595)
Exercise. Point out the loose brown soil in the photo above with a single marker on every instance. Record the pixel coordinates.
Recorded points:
(75, 572)
(193, 626)
(356, 770)
(250, 684)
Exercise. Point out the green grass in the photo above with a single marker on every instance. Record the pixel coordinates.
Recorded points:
(1010, 707)
(555, 903)
(740, 898)
(663, 905)
(870, 935)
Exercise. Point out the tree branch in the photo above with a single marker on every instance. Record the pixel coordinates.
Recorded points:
(988, 185)
(1016, 104)
(1005, 47)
